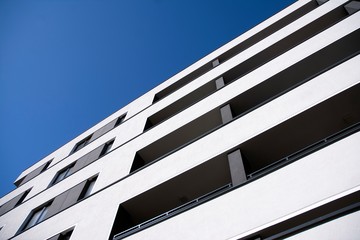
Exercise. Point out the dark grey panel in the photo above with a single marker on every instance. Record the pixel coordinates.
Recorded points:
(103, 130)
(320, 2)
(219, 83)
(86, 159)
(80, 163)
(352, 7)
(94, 155)
(56, 237)
(18, 182)
(74, 194)
(10, 204)
(33, 174)
(226, 114)
(57, 204)
(237, 169)
(215, 63)
(65, 199)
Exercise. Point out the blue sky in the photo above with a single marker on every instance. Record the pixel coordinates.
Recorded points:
(67, 64)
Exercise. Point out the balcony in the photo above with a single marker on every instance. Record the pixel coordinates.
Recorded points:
(305, 133)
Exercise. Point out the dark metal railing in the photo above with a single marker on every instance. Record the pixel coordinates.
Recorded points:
(307, 150)
(263, 171)
(173, 212)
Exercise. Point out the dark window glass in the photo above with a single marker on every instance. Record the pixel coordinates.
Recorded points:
(62, 174)
(65, 236)
(81, 144)
(107, 147)
(22, 198)
(120, 120)
(46, 166)
(88, 188)
(36, 216)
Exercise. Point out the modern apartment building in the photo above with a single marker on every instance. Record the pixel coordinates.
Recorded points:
(257, 140)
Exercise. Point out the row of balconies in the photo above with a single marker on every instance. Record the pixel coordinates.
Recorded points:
(245, 102)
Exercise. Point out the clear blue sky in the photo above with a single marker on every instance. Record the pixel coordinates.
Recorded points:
(67, 64)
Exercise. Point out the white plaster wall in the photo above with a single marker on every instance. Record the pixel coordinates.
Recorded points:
(250, 125)
(241, 85)
(247, 127)
(117, 164)
(290, 189)
(298, 53)
(138, 122)
(145, 100)
(134, 126)
(123, 133)
(64, 150)
(238, 212)
(249, 81)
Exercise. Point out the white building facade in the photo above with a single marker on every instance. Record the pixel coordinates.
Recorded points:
(258, 140)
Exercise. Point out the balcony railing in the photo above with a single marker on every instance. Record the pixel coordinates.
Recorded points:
(307, 150)
(173, 212)
(254, 175)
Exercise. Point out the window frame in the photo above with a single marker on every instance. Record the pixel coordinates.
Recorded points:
(36, 216)
(88, 189)
(106, 148)
(120, 120)
(46, 166)
(66, 171)
(22, 198)
(81, 144)
(65, 235)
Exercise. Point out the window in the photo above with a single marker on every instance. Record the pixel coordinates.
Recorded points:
(62, 174)
(18, 182)
(14, 202)
(81, 144)
(65, 236)
(120, 120)
(46, 166)
(106, 148)
(23, 196)
(33, 173)
(98, 133)
(88, 188)
(58, 204)
(36, 216)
